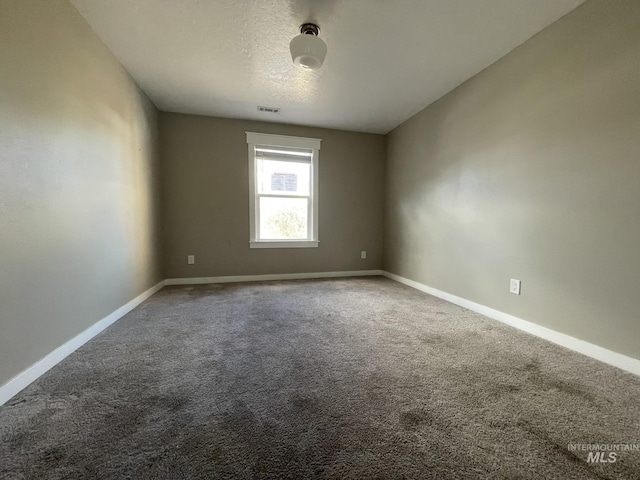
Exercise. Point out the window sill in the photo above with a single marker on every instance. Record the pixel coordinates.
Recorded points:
(284, 244)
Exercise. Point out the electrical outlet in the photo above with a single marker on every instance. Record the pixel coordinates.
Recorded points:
(191, 259)
(363, 254)
(515, 286)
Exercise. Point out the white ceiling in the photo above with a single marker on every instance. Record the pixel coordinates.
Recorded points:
(386, 60)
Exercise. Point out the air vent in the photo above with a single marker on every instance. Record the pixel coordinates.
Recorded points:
(268, 109)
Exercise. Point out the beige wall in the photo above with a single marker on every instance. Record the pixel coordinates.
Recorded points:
(531, 170)
(528, 170)
(205, 190)
(78, 206)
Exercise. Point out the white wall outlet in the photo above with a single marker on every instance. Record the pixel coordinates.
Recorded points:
(363, 254)
(191, 259)
(515, 286)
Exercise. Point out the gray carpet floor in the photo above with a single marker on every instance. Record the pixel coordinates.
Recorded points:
(342, 378)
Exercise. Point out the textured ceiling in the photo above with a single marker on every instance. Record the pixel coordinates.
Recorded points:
(387, 59)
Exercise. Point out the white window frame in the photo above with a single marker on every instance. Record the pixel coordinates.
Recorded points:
(265, 139)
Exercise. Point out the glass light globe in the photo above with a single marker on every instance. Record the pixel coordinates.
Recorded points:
(308, 51)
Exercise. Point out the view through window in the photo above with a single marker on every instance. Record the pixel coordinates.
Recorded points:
(284, 192)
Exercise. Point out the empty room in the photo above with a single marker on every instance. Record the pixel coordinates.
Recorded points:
(319, 239)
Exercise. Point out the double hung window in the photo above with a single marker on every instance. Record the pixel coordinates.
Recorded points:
(283, 191)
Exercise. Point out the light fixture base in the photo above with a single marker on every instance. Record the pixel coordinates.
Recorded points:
(309, 29)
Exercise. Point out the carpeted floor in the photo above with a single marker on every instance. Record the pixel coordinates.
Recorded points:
(346, 378)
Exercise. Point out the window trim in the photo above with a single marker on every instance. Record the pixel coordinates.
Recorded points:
(266, 139)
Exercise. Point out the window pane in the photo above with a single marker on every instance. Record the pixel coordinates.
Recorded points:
(289, 178)
(283, 218)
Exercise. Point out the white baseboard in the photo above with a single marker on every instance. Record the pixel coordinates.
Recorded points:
(275, 276)
(623, 362)
(26, 377)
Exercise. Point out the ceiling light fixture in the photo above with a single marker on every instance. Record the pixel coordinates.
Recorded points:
(307, 49)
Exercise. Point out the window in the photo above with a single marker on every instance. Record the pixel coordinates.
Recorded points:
(283, 191)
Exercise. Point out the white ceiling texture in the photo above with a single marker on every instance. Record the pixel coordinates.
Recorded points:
(386, 60)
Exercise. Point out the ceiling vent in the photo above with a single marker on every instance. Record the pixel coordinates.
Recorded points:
(268, 109)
